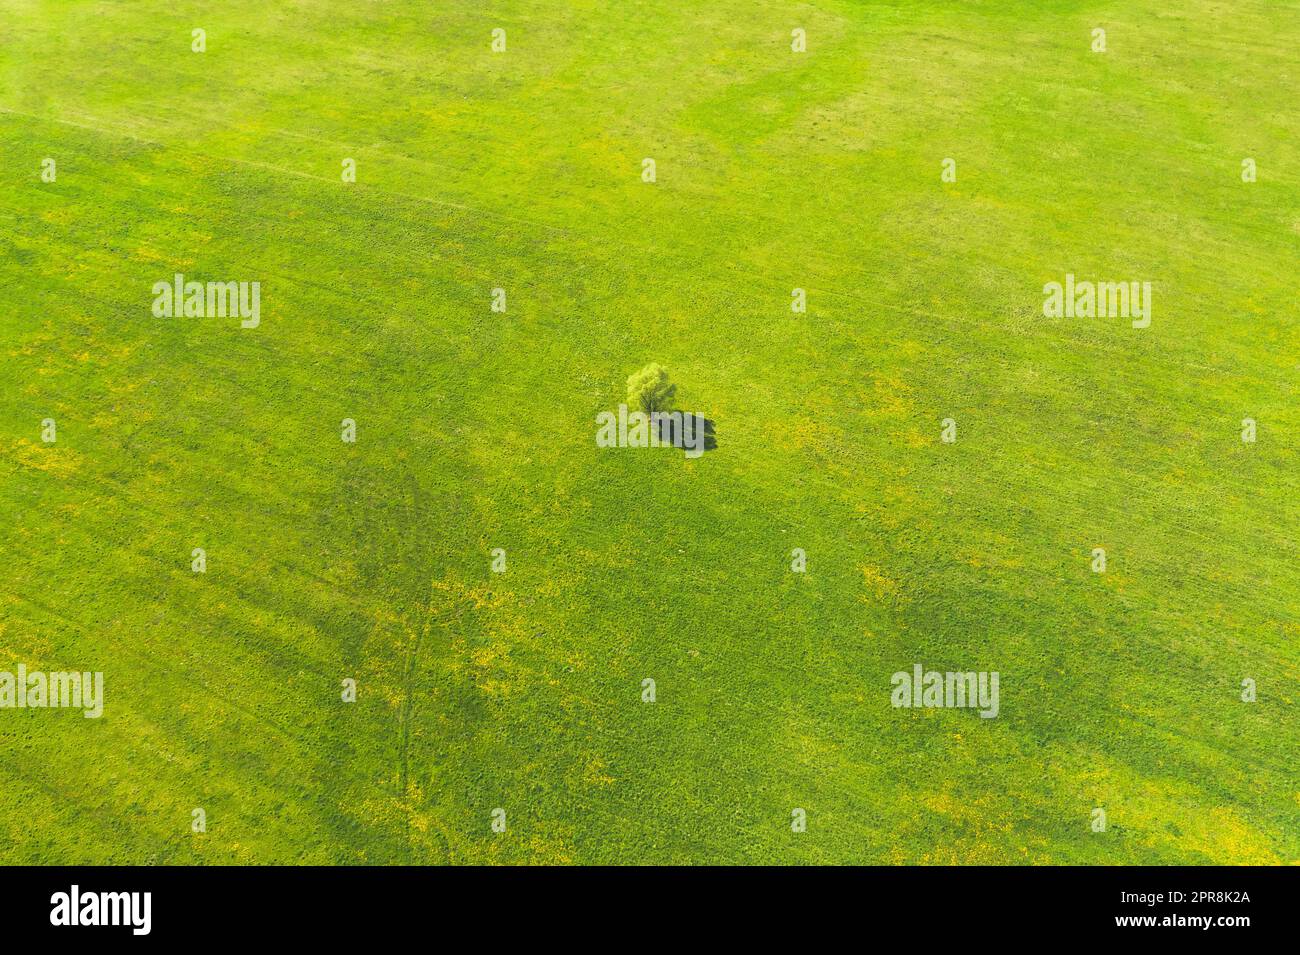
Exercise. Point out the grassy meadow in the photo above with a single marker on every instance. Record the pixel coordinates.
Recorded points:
(774, 170)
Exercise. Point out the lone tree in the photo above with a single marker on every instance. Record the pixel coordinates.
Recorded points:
(650, 390)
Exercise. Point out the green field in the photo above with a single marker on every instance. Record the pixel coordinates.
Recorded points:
(522, 690)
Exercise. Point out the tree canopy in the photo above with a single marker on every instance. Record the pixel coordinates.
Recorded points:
(650, 390)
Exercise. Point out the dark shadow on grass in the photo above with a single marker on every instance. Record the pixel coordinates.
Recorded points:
(682, 430)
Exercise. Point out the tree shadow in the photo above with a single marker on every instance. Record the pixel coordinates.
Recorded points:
(687, 430)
